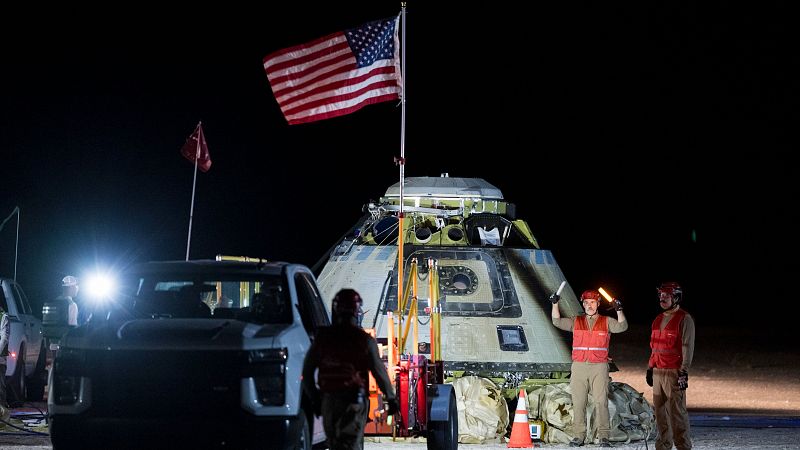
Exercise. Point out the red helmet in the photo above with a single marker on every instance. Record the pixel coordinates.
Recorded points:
(590, 294)
(672, 288)
(346, 303)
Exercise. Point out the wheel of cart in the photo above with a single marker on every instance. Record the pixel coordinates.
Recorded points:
(442, 418)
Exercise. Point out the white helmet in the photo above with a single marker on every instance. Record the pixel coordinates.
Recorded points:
(69, 280)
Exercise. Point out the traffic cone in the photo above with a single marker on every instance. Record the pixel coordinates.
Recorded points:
(520, 432)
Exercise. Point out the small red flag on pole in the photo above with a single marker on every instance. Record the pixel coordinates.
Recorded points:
(196, 149)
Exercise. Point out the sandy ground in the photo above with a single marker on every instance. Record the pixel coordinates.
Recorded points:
(733, 372)
(744, 392)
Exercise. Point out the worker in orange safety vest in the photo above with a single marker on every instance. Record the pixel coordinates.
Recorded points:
(591, 336)
(672, 349)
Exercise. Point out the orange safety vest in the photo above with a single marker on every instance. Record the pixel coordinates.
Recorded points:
(590, 345)
(666, 345)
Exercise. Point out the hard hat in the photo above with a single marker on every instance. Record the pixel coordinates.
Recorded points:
(590, 294)
(69, 280)
(672, 288)
(347, 302)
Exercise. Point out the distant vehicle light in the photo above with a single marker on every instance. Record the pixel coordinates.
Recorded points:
(100, 286)
(13, 354)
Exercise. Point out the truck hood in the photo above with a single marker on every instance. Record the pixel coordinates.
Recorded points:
(175, 334)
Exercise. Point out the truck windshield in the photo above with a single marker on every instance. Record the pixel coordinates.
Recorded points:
(261, 299)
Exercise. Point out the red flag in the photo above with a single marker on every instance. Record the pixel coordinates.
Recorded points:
(337, 74)
(191, 151)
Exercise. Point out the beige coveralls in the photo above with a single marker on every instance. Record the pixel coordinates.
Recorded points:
(590, 378)
(669, 402)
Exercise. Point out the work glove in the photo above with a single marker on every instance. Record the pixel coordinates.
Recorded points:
(649, 376)
(683, 380)
(392, 407)
(554, 298)
(617, 304)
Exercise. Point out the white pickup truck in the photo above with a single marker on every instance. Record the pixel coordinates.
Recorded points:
(204, 354)
(26, 373)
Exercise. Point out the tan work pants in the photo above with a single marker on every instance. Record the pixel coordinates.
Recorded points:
(669, 403)
(589, 378)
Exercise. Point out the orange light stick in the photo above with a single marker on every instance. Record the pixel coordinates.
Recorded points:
(606, 295)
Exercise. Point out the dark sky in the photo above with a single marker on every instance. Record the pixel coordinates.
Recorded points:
(619, 131)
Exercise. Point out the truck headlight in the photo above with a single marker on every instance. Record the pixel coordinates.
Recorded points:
(268, 355)
(67, 370)
(268, 369)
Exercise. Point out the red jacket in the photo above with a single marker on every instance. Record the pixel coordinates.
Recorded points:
(343, 358)
(590, 345)
(667, 345)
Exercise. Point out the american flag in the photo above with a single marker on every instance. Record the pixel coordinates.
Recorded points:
(337, 74)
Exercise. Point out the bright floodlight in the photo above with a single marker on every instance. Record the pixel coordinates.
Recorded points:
(100, 286)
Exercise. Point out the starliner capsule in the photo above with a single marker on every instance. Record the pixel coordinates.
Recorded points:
(493, 279)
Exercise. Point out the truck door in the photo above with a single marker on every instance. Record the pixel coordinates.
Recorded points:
(309, 302)
(33, 327)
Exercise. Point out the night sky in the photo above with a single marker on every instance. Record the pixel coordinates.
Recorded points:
(641, 143)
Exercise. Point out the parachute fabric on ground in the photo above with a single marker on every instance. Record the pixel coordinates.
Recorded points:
(634, 419)
(556, 410)
(482, 410)
(630, 414)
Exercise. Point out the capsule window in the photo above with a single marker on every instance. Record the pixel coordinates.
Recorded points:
(512, 338)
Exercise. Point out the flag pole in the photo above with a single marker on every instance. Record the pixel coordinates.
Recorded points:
(194, 183)
(402, 161)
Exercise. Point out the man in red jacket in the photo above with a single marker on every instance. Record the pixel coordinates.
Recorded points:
(342, 354)
(672, 348)
(591, 335)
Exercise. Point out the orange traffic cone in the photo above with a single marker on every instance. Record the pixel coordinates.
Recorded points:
(520, 432)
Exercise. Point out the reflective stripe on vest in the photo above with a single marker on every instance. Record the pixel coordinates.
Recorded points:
(667, 345)
(590, 345)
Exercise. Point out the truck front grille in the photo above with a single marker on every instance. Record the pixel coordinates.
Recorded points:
(156, 384)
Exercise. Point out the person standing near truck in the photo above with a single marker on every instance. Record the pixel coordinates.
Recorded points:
(344, 353)
(69, 291)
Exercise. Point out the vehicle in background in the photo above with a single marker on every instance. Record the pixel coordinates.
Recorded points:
(26, 372)
(192, 352)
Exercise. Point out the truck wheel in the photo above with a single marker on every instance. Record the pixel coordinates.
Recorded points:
(443, 435)
(38, 380)
(304, 436)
